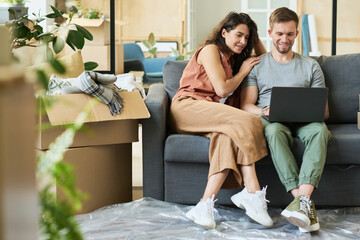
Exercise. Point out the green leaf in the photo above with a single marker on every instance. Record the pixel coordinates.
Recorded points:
(70, 44)
(185, 44)
(46, 37)
(180, 58)
(57, 66)
(22, 42)
(146, 44)
(71, 16)
(51, 15)
(58, 44)
(152, 39)
(12, 12)
(175, 52)
(39, 28)
(49, 53)
(57, 12)
(84, 32)
(22, 32)
(76, 38)
(153, 51)
(42, 78)
(90, 65)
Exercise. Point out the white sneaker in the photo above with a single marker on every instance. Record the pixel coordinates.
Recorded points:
(203, 213)
(255, 205)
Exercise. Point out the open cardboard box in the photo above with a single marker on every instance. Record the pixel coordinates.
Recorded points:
(102, 159)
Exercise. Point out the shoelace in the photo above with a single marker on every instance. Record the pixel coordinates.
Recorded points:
(305, 203)
(311, 211)
(211, 205)
(262, 198)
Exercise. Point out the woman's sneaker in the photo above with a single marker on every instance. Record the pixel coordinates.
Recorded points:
(297, 212)
(203, 213)
(314, 220)
(255, 205)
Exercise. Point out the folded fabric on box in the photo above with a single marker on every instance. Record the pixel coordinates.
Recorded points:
(95, 84)
(127, 82)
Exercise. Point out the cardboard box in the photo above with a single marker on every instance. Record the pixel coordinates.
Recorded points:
(99, 28)
(104, 129)
(102, 160)
(103, 172)
(99, 54)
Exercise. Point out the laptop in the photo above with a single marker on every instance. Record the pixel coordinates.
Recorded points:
(297, 104)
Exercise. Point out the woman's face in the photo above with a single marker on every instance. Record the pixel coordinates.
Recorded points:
(237, 38)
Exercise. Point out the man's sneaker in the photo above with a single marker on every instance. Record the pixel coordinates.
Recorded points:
(297, 212)
(314, 220)
(255, 205)
(203, 213)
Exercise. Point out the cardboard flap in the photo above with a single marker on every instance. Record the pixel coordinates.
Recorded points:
(67, 107)
(88, 22)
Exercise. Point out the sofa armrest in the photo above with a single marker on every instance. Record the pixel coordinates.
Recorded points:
(154, 134)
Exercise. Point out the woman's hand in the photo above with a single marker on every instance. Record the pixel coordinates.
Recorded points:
(248, 64)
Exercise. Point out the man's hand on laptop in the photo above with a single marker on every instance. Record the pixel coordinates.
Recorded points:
(265, 111)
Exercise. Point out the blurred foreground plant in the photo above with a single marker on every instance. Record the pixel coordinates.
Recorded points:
(56, 217)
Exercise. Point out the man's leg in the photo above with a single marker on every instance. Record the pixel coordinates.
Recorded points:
(315, 137)
(279, 139)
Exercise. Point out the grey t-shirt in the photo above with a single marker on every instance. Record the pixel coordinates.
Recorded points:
(302, 71)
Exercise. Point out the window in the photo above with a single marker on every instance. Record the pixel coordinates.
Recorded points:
(260, 10)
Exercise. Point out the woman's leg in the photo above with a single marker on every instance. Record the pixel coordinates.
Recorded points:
(214, 184)
(250, 178)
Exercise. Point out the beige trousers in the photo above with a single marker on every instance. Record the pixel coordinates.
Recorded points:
(236, 137)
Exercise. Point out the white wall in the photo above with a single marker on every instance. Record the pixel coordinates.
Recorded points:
(209, 13)
(44, 7)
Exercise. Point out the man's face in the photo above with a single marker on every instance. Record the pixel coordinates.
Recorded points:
(283, 35)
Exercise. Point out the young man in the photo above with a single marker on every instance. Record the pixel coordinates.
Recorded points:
(283, 67)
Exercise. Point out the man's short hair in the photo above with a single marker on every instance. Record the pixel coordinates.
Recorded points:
(283, 15)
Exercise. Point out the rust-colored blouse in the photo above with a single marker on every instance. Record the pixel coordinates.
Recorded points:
(195, 82)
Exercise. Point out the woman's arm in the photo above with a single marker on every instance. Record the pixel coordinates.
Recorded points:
(209, 57)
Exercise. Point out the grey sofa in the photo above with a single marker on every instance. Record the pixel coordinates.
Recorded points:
(175, 166)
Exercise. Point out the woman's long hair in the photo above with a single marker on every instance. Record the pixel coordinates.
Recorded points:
(231, 21)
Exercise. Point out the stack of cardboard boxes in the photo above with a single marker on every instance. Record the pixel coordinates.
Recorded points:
(102, 155)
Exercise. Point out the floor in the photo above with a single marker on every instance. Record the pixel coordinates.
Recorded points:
(148, 218)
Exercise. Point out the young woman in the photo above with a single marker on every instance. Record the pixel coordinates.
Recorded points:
(207, 103)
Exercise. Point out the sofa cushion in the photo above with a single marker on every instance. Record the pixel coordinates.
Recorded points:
(172, 73)
(181, 148)
(342, 77)
(342, 148)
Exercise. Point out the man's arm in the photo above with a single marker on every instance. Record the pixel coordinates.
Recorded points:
(249, 96)
(327, 114)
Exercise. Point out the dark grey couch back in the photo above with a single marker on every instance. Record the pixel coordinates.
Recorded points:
(342, 77)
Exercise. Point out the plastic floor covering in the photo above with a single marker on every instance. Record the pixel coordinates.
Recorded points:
(148, 218)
